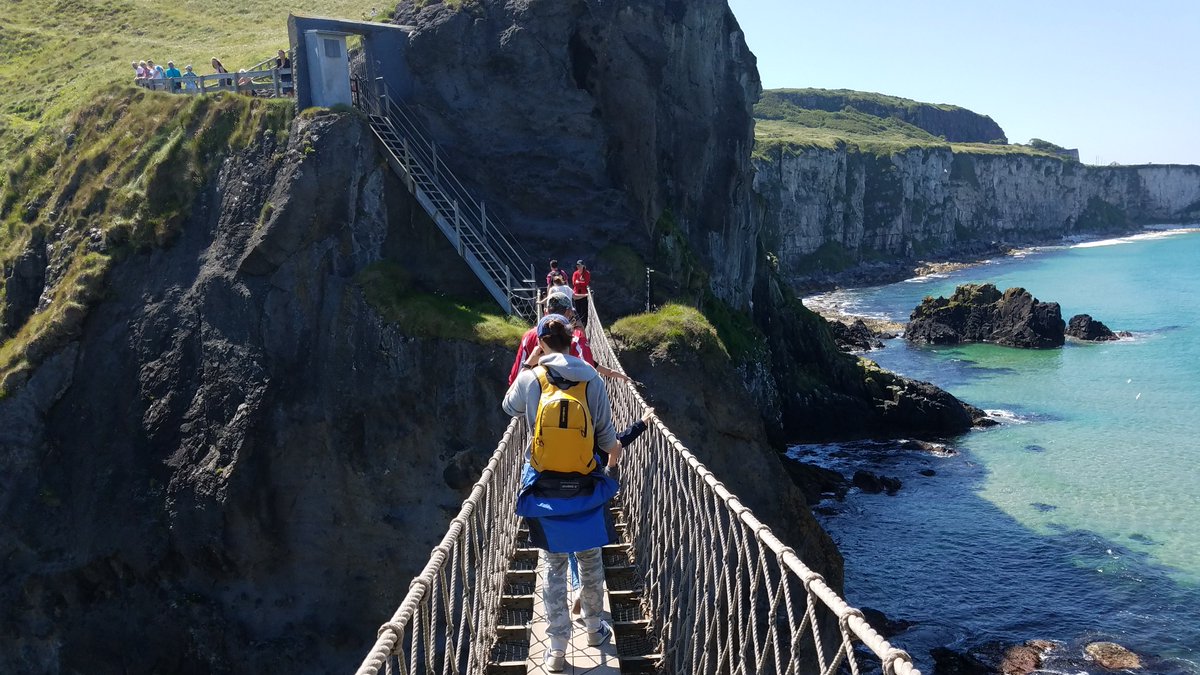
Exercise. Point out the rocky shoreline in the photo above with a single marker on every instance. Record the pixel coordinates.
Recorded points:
(818, 293)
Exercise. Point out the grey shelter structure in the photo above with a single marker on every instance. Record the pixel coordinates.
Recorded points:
(322, 64)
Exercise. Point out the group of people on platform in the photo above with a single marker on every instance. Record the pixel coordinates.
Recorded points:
(571, 468)
(153, 76)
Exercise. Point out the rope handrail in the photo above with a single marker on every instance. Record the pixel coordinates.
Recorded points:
(446, 622)
(691, 590)
(722, 592)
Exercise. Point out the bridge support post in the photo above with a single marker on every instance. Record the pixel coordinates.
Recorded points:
(407, 160)
(458, 228)
(483, 217)
(381, 91)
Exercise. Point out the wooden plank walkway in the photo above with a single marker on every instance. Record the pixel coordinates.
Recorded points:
(581, 658)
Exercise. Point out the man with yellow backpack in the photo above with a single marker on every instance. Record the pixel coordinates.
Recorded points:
(568, 479)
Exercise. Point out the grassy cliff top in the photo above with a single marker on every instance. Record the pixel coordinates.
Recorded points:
(842, 97)
(782, 123)
(59, 53)
(124, 181)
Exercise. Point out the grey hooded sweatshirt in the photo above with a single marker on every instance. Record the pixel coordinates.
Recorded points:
(525, 393)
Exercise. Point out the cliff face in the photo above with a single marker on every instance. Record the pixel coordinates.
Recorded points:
(236, 464)
(838, 207)
(587, 120)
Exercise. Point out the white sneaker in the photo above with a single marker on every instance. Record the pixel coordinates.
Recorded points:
(554, 660)
(600, 635)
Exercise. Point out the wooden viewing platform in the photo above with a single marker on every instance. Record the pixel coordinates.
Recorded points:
(269, 83)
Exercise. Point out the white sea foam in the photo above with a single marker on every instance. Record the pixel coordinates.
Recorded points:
(926, 278)
(1156, 233)
(847, 303)
(1006, 417)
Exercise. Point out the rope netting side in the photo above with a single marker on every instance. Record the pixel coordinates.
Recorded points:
(447, 620)
(724, 594)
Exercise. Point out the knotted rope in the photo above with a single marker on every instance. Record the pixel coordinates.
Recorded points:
(722, 592)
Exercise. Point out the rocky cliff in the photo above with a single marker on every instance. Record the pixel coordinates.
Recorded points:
(835, 208)
(237, 463)
(600, 126)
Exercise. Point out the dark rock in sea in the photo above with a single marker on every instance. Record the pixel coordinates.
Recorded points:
(1084, 327)
(992, 658)
(1043, 507)
(874, 484)
(885, 626)
(817, 483)
(981, 313)
(940, 449)
(854, 337)
(1113, 656)
(979, 417)
(947, 661)
(1034, 448)
(1026, 658)
(927, 472)
(1141, 538)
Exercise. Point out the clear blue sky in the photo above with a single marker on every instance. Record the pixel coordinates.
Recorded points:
(1118, 80)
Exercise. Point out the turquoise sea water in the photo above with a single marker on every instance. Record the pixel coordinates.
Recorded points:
(1079, 518)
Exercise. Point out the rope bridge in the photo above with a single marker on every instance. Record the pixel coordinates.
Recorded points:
(722, 593)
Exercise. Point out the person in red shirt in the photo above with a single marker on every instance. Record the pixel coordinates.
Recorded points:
(555, 304)
(581, 281)
(580, 347)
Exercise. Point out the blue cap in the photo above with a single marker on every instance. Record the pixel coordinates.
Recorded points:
(543, 331)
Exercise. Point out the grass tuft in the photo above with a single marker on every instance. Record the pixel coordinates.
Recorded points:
(389, 289)
(672, 332)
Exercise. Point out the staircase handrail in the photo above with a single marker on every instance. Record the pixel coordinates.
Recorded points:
(423, 149)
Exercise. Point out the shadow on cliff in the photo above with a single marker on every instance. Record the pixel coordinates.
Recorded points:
(239, 464)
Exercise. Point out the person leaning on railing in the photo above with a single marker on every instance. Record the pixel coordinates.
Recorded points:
(189, 78)
(173, 76)
(282, 62)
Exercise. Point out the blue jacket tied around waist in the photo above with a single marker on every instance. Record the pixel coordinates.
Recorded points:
(566, 512)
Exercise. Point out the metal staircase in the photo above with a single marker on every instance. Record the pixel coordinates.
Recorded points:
(486, 245)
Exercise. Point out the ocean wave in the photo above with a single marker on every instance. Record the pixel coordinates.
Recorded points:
(843, 303)
(1033, 250)
(1159, 233)
(926, 278)
(1007, 416)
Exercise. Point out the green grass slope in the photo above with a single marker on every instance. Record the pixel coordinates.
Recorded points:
(57, 54)
(125, 182)
(783, 125)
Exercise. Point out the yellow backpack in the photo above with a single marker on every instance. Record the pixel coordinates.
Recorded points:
(563, 436)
